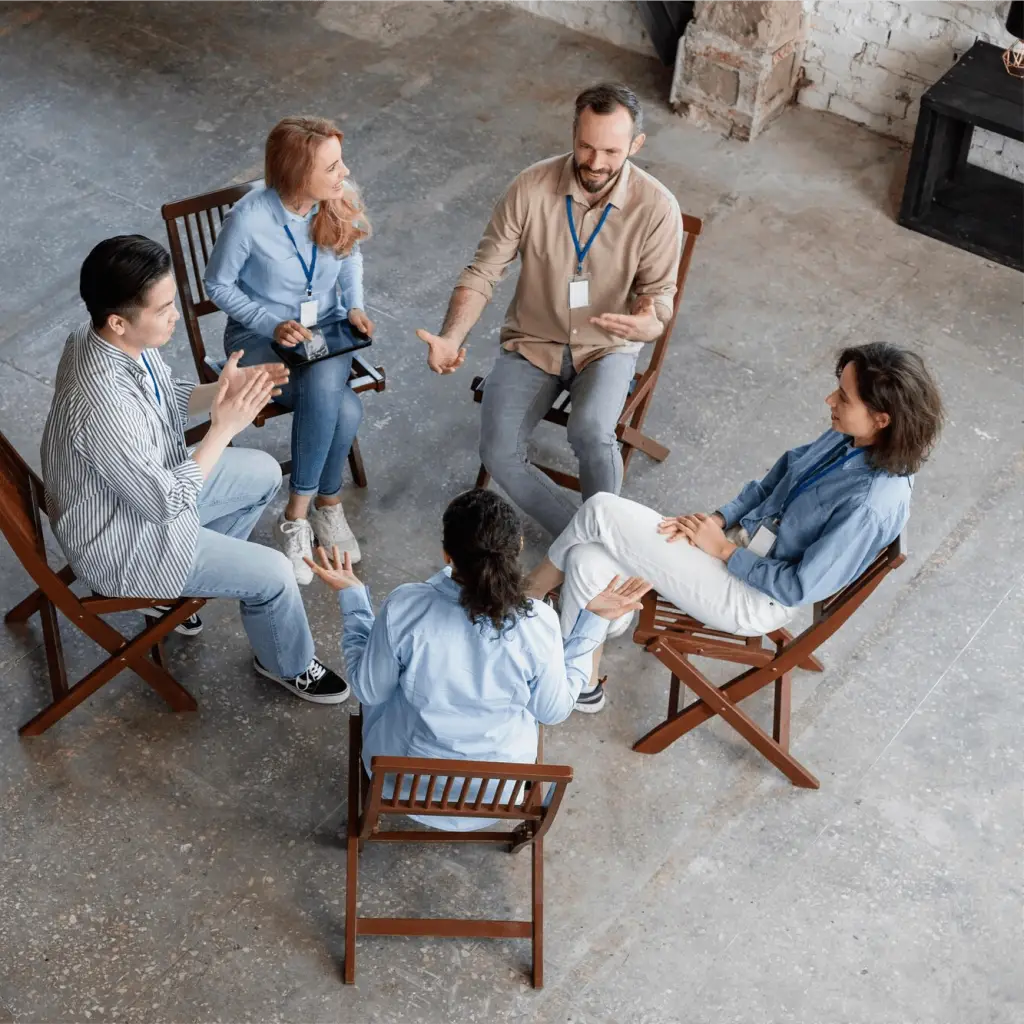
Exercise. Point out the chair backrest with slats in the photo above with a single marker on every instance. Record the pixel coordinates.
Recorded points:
(692, 227)
(21, 496)
(192, 228)
(473, 789)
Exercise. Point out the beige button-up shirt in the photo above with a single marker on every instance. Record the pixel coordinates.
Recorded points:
(635, 253)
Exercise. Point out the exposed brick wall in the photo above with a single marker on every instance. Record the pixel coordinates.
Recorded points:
(870, 62)
(615, 21)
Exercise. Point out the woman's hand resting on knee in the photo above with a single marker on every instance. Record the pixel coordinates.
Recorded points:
(617, 599)
(701, 531)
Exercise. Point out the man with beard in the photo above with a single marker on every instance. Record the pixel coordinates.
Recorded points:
(599, 241)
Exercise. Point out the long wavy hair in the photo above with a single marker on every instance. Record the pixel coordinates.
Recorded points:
(483, 538)
(896, 381)
(288, 163)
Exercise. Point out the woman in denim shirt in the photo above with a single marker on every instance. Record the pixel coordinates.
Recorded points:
(287, 249)
(465, 665)
(806, 530)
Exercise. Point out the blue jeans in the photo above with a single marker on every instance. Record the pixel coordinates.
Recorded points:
(516, 397)
(226, 564)
(326, 412)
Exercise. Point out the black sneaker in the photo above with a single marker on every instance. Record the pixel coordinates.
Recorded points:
(190, 627)
(591, 701)
(318, 683)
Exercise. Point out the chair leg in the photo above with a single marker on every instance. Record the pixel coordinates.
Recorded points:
(353, 846)
(674, 693)
(537, 886)
(54, 649)
(646, 444)
(483, 478)
(781, 637)
(780, 722)
(720, 703)
(355, 462)
(24, 610)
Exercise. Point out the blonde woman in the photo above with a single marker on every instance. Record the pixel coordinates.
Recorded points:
(288, 259)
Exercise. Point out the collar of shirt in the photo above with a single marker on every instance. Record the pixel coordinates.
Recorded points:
(116, 357)
(283, 215)
(568, 185)
(443, 582)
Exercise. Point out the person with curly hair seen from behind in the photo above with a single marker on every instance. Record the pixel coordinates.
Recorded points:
(810, 527)
(465, 665)
(287, 259)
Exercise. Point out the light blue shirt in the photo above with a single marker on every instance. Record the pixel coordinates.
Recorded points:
(832, 531)
(434, 684)
(254, 273)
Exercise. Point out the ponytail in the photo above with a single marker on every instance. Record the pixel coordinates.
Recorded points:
(482, 536)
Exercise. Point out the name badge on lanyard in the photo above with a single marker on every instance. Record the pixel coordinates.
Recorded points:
(309, 310)
(579, 285)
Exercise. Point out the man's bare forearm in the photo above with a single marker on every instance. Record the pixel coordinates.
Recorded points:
(464, 309)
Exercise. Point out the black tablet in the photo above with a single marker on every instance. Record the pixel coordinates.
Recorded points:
(329, 340)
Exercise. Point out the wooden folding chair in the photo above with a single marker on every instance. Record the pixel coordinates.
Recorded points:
(631, 420)
(199, 219)
(674, 637)
(444, 787)
(22, 499)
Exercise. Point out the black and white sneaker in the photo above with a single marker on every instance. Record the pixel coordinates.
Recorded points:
(318, 683)
(591, 701)
(190, 627)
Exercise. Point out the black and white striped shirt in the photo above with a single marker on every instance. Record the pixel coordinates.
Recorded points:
(121, 490)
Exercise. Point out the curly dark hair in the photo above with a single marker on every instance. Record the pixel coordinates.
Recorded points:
(895, 381)
(483, 538)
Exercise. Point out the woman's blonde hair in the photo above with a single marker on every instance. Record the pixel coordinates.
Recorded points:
(290, 154)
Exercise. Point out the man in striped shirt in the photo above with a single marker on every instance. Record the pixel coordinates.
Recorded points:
(135, 512)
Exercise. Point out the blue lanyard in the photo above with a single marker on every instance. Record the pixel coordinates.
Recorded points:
(811, 477)
(152, 377)
(307, 270)
(582, 253)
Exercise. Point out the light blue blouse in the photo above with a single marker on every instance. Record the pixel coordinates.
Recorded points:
(434, 684)
(254, 273)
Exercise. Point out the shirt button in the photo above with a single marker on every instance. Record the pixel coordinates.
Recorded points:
(574, 331)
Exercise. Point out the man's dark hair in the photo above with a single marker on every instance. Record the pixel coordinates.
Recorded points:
(604, 98)
(895, 381)
(483, 537)
(118, 273)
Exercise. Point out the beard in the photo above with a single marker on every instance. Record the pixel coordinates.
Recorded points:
(594, 184)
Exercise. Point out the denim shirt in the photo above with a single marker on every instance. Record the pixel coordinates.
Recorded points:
(831, 532)
(434, 684)
(254, 273)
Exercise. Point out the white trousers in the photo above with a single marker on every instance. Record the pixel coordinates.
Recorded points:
(612, 536)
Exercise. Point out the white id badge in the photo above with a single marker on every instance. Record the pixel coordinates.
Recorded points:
(762, 542)
(579, 293)
(308, 313)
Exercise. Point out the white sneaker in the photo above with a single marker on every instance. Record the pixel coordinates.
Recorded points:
(330, 527)
(296, 537)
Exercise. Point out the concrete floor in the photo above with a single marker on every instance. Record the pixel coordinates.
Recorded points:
(187, 868)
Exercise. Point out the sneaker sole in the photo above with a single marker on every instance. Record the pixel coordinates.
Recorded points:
(591, 709)
(182, 629)
(334, 698)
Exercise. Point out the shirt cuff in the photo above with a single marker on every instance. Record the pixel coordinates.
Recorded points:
(589, 626)
(731, 512)
(741, 563)
(354, 599)
(472, 279)
(189, 472)
(182, 396)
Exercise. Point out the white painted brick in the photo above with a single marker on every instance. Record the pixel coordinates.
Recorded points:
(813, 53)
(855, 112)
(924, 26)
(814, 97)
(886, 13)
(926, 67)
(877, 79)
(870, 31)
(847, 44)
(838, 64)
